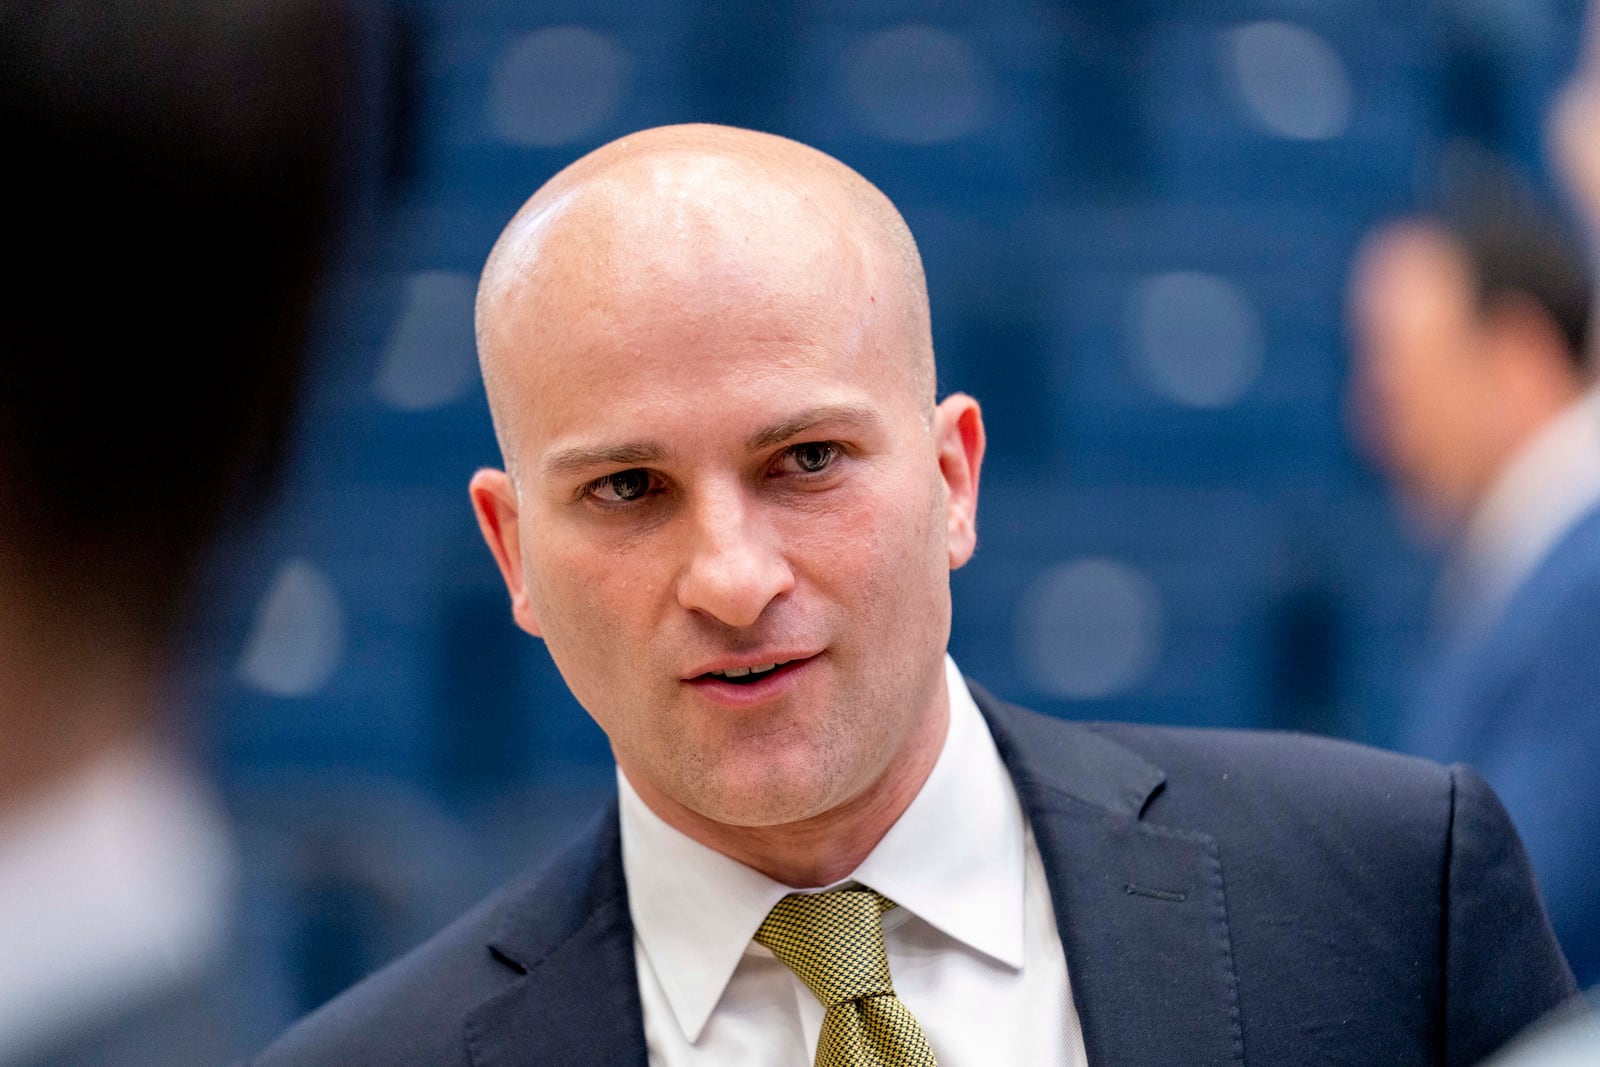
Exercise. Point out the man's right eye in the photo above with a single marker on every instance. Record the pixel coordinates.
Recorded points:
(621, 487)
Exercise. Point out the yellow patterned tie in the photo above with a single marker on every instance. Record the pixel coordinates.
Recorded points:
(834, 942)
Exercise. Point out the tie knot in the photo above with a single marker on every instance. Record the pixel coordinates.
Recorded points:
(833, 942)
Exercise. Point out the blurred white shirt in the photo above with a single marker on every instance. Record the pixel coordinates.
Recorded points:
(114, 886)
(973, 948)
(1551, 483)
(1569, 1037)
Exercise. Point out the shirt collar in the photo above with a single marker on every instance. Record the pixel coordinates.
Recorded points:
(694, 910)
(955, 859)
(1548, 485)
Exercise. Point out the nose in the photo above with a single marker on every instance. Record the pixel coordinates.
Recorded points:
(735, 565)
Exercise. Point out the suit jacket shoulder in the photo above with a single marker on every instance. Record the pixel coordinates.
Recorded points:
(1517, 702)
(541, 972)
(1288, 899)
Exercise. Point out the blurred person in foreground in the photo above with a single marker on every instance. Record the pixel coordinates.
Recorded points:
(1473, 387)
(171, 172)
(730, 507)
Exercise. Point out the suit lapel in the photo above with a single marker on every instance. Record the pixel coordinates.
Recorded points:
(571, 937)
(1140, 908)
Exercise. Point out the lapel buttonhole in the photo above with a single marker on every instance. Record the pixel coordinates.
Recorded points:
(1172, 896)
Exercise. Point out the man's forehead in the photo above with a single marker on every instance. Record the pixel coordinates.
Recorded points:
(631, 277)
(683, 239)
(633, 250)
(682, 190)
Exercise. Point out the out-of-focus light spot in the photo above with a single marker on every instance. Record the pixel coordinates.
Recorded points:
(1089, 628)
(918, 85)
(1194, 338)
(1292, 82)
(556, 85)
(298, 636)
(429, 360)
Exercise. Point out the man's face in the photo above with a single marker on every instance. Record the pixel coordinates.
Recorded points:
(1423, 387)
(721, 464)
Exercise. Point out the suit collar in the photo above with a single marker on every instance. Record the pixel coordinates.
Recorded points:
(1140, 908)
(1068, 759)
(569, 935)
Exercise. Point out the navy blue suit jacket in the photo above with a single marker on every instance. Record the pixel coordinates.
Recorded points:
(1520, 701)
(1223, 898)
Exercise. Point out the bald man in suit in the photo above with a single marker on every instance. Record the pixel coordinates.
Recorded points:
(730, 505)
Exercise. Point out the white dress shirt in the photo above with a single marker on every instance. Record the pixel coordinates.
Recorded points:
(973, 948)
(1551, 482)
(114, 886)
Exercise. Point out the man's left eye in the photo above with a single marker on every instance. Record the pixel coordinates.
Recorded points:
(813, 456)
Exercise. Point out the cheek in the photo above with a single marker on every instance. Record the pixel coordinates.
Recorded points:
(1456, 409)
(886, 553)
(1416, 402)
(577, 575)
(583, 600)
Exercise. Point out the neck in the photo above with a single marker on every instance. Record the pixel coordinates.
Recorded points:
(66, 698)
(825, 848)
(1528, 411)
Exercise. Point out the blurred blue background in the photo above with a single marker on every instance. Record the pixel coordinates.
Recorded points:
(1136, 218)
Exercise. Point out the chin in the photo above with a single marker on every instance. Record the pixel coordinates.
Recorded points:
(768, 801)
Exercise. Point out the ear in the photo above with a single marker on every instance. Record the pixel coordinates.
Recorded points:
(958, 436)
(494, 500)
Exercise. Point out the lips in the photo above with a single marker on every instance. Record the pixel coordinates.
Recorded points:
(751, 669)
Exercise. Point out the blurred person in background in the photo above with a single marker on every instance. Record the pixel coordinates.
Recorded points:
(172, 170)
(1472, 388)
(1572, 1038)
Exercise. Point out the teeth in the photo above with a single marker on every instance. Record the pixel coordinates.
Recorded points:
(740, 672)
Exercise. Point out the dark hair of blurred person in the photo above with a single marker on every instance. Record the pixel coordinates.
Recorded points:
(172, 179)
(1473, 389)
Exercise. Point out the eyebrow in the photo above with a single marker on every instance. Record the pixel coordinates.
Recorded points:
(778, 432)
(632, 454)
(637, 453)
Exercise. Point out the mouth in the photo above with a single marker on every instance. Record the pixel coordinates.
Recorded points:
(744, 675)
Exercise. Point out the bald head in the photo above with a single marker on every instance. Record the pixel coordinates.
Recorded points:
(705, 221)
